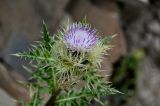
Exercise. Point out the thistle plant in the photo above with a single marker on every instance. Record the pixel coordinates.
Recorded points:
(66, 67)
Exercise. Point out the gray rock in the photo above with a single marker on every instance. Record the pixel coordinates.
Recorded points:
(135, 15)
(21, 23)
(17, 16)
(9, 83)
(51, 11)
(144, 1)
(5, 99)
(154, 26)
(26, 16)
(17, 43)
(158, 14)
(142, 31)
(148, 92)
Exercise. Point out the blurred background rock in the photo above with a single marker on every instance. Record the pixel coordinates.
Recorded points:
(133, 64)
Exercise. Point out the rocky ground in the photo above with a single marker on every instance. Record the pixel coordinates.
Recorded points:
(142, 30)
(136, 22)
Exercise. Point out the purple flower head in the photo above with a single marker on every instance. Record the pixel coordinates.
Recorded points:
(79, 37)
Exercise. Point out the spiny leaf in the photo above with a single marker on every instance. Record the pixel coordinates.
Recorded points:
(46, 37)
(107, 39)
(84, 21)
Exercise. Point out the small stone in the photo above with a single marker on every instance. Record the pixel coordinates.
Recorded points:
(154, 26)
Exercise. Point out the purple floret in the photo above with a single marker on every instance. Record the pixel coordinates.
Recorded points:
(80, 37)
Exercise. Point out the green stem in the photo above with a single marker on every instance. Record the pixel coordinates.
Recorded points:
(35, 103)
(71, 98)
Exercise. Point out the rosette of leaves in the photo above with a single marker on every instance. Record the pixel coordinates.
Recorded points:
(66, 67)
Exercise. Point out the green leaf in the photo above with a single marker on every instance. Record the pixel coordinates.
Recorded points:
(46, 37)
(84, 21)
(106, 40)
